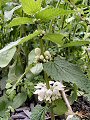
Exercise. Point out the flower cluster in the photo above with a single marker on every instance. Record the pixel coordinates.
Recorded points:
(42, 58)
(50, 94)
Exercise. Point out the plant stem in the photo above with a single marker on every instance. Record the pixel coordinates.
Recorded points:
(41, 46)
(52, 114)
(66, 101)
(46, 79)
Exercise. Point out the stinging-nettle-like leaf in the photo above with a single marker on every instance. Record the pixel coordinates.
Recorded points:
(30, 7)
(51, 13)
(76, 43)
(38, 113)
(56, 38)
(61, 69)
(20, 21)
(6, 57)
(60, 107)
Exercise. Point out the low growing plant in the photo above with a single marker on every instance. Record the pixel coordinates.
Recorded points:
(49, 58)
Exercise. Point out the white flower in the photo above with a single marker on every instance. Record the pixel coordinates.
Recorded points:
(51, 82)
(58, 85)
(49, 92)
(69, 117)
(37, 51)
(56, 92)
(40, 85)
(41, 93)
(53, 98)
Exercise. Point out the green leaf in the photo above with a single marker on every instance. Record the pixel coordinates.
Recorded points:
(60, 107)
(38, 113)
(56, 38)
(30, 7)
(21, 40)
(76, 43)
(31, 57)
(61, 69)
(88, 96)
(29, 37)
(6, 57)
(21, 20)
(19, 100)
(51, 13)
(37, 68)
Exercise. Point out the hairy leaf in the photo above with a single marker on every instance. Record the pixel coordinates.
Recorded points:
(56, 38)
(38, 113)
(76, 43)
(6, 57)
(31, 57)
(61, 69)
(51, 13)
(37, 68)
(20, 20)
(60, 107)
(30, 7)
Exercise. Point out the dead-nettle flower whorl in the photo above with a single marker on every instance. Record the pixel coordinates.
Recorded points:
(51, 94)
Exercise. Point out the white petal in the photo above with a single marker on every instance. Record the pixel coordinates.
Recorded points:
(69, 117)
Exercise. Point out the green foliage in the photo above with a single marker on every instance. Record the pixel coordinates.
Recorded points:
(38, 113)
(62, 70)
(30, 7)
(19, 100)
(56, 38)
(20, 21)
(60, 27)
(6, 57)
(60, 107)
(51, 13)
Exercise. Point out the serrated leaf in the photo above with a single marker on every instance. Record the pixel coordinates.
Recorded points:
(21, 40)
(21, 20)
(37, 68)
(76, 43)
(6, 57)
(19, 100)
(60, 107)
(61, 69)
(38, 113)
(51, 13)
(30, 7)
(88, 96)
(56, 38)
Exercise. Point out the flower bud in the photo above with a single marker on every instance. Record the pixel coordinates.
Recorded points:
(41, 57)
(37, 51)
(47, 53)
(37, 57)
(47, 57)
